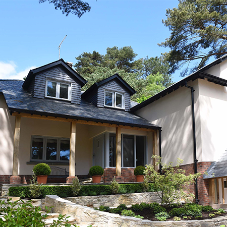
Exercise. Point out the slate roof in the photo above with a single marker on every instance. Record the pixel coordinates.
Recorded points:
(19, 100)
(218, 168)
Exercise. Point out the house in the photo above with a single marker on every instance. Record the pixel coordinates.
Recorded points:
(46, 118)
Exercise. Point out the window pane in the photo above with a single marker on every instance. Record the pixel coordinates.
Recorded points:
(51, 89)
(64, 150)
(37, 148)
(128, 151)
(64, 91)
(108, 98)
(140, 150)
(119, 100)
(112, 151)
(51, 152)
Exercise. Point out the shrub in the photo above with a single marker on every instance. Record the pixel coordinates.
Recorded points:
(137, 207)
(176, 218)
(207, 208)
(157, 208)
(162, 216)
(171, 182)
(122, 207)
(128, 213)
(34, 188)
(104, 208)
(145, 205)
(96, 170)
(76, 186)
(193, 210)
(114, 186)
(180, 212)
(139, 170)
(42, 169)
(116, 210)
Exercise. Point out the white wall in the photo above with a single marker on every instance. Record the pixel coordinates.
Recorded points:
(213, 108)
(219, 70)
(7, 124)
(173, 113)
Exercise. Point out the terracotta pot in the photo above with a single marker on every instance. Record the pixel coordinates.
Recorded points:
(96, 178)
(42, 179)
(139, 178)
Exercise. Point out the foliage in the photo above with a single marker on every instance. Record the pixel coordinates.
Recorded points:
(198, 31)
(128, 213)
(96, 170)
(104, 208)
(20, 213)
(122, 206)
(162, 216)
(157, 208)
(170, 182)
(176, 218)
(42, 169)
(114, 186)
(35, 188)
(76, 7)
(137, 207)
(139, 170)
(76, 186)
(207, 208)
(95, 67)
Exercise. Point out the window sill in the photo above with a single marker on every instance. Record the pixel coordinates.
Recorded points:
(48, 162)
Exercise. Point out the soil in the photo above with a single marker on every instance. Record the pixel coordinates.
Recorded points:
(148, 214)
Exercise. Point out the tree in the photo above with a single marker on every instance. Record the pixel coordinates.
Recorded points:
(198, 32)
(76, 7)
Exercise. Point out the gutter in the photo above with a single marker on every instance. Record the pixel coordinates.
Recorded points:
(194, 140)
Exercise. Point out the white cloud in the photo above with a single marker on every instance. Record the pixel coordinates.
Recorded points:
(8, 71)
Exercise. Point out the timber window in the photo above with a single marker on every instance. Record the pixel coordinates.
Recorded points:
(114, 99)
(50, 149)
(58, 90)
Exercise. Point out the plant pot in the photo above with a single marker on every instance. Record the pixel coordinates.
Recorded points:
(42, 179)
(139, 178)
(96, 178)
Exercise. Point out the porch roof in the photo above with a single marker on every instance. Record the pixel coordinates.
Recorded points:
(19, 100)
(218, 168)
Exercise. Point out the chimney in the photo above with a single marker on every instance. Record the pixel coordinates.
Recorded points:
(70, 64)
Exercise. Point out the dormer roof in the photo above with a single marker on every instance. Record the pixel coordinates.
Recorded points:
(115, 77)
(60, 63)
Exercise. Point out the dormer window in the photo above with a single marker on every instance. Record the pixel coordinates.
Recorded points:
(114, 99)
(58, 90)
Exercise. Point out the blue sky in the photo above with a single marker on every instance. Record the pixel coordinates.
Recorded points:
(30, 33)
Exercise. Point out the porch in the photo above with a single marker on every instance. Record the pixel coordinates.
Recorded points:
(72, 146)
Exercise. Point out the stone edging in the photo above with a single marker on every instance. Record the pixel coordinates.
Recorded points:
(89, 216)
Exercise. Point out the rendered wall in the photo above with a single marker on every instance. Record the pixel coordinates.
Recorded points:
(7, 124)
(213, 111)
(219, 70)
(173, 113)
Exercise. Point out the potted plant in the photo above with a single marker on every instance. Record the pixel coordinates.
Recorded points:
(139, 173)
(96, 172)
(42, 170)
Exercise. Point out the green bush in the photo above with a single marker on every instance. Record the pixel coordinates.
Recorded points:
(96, 170)
(137, 207)
(76, 186)
(42, 169)
(128, 213)
(98, 189)
(104, 208)
(207, 208)
(122, 207)
(179, 212)
(114, 186)
(157, 208)
(162, 216)
(139, 170)
(192, 210)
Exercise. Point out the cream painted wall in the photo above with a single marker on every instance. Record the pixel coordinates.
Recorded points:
(219, 70)
(213, 103)
(7, 124)
(173, 113)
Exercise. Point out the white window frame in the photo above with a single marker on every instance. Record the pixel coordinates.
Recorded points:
(45, 138)
(114, 93)
(58, 83)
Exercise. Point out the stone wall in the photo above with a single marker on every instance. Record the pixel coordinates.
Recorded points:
(89, 216)
(116, 200)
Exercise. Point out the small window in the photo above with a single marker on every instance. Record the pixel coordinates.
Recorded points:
(58, 90)
(114, 99)
(50, 149)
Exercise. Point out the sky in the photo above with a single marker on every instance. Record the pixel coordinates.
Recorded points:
(30, 32)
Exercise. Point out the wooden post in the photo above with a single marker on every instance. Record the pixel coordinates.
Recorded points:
(155, 148)
(218, 197)
(118, 151)
(223, 192)
(72, 160)
(211, 191)
(16, 145)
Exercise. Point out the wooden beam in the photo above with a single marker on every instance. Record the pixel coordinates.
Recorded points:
(118, 151)
(223, 192)
(211, 191)
(218, 197)
(16, 145)
(43, 117)
(72, 161)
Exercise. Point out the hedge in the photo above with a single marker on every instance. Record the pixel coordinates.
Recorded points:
(66, 191)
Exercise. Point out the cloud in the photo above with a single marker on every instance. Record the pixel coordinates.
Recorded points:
(8, 71)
